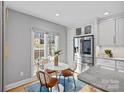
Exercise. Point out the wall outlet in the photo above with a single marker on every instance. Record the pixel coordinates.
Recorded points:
(21, 73)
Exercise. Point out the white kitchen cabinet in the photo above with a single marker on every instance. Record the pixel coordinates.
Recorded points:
(120, 65)
(120, 32)
(106, 32)
(111, 63)
(105, 62)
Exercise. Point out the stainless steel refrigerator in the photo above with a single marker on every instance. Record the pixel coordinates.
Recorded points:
(83, 51)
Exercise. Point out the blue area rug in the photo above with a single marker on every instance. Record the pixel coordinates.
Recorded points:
(69, 86)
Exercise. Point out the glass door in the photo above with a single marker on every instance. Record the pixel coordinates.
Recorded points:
(51, 46)
(38, 45)
(43, 45)
(37, 49)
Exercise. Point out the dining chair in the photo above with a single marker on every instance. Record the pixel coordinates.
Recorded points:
(46, 80)
(69, 72)
(48, 70)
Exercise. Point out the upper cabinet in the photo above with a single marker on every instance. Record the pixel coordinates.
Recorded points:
(120, 32)
(106, 33)
(111, 32)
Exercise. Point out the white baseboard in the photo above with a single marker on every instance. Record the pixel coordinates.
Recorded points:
(22, 82)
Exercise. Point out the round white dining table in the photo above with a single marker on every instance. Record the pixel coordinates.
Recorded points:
(61, 66)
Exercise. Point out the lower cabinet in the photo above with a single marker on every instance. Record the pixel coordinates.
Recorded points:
(111, 63)
(120, 65)
(106, 62)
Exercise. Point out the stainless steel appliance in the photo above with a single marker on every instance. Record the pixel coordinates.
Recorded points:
(87, 46)
(84, 50)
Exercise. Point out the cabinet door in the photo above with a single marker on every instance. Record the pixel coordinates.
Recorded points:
(120, 65)
(106, 62)
(107, 33)
(120, 31)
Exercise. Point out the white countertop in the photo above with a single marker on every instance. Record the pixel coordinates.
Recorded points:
(111, 58)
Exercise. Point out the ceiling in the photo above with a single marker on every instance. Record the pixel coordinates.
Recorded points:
(72, 13)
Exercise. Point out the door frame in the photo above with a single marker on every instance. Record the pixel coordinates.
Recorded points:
(2, 42)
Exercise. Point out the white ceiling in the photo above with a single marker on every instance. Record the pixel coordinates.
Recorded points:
(72, 13)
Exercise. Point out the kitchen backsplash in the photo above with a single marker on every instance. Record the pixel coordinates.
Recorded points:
(117, 51)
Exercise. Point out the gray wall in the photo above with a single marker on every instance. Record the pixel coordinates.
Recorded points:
(18, 42)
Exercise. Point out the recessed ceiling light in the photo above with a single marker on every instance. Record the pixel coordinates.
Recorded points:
(106, 13)
(57, 14)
